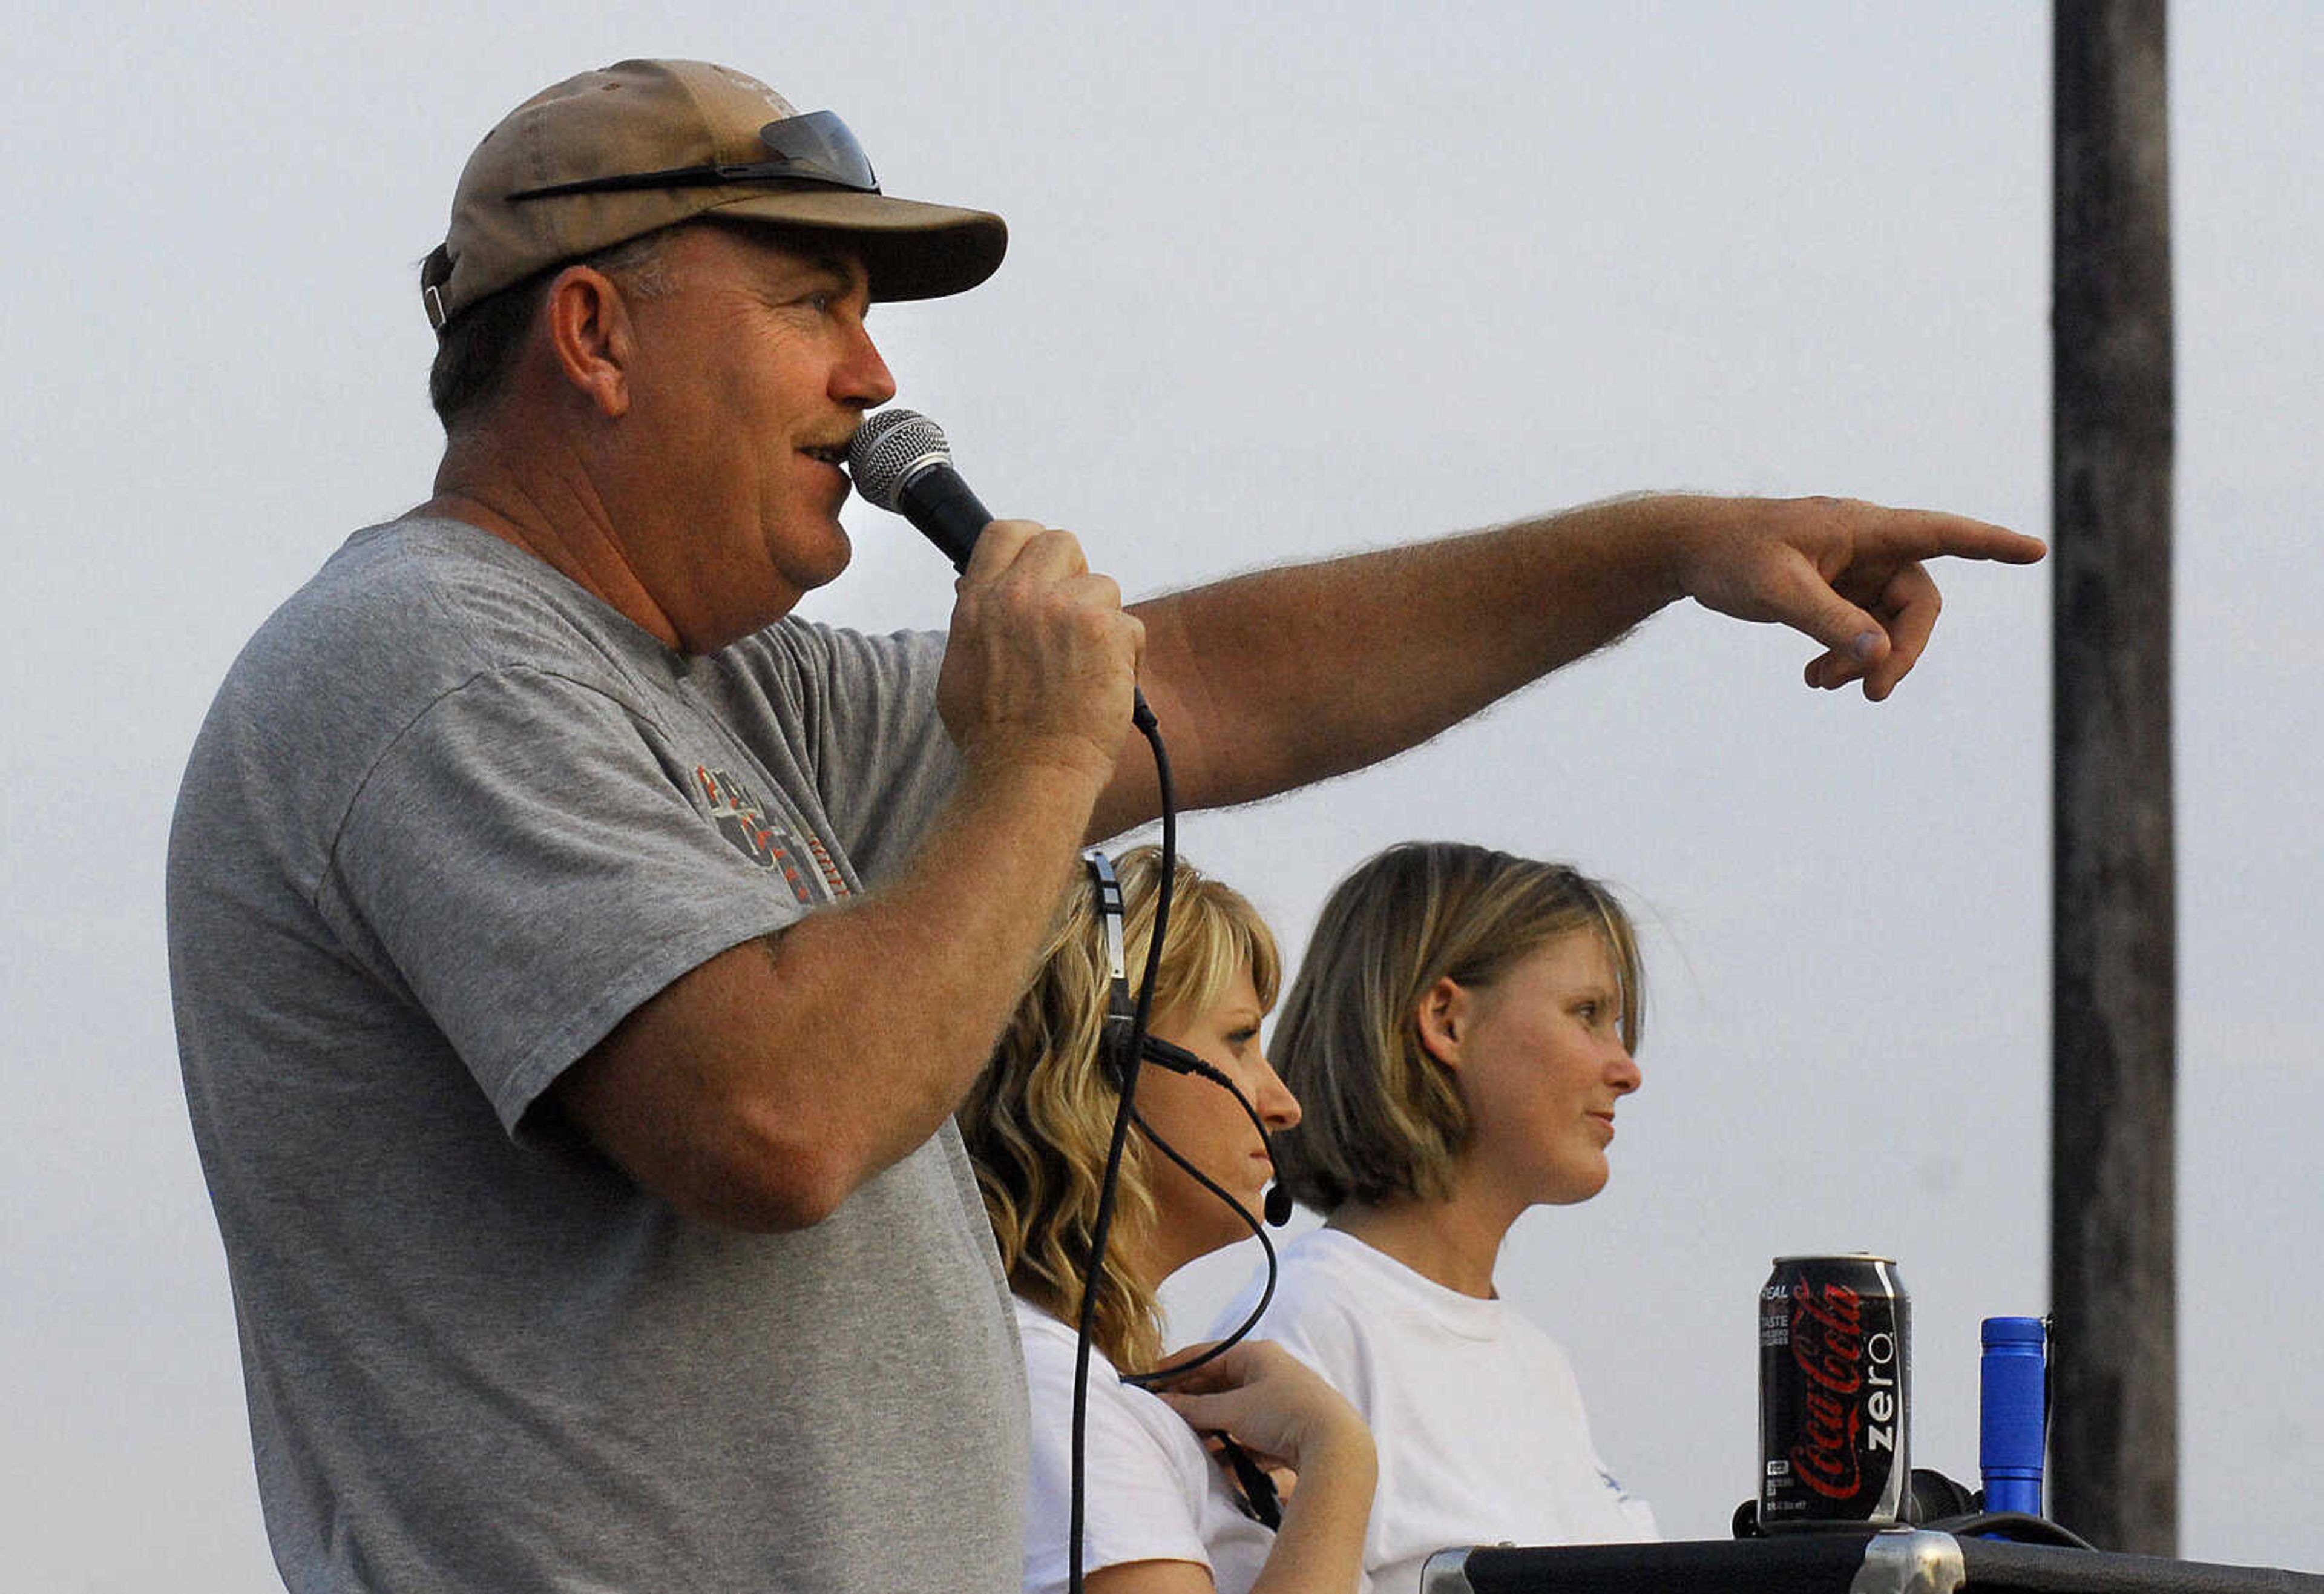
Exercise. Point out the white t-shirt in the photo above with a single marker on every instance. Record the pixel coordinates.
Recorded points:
(1152, 1493)
(1478, 1420)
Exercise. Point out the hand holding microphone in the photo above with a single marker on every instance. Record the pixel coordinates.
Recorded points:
(901, 463)
(1042, 663)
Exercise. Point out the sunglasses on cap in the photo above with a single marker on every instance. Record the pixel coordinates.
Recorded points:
(817, 148)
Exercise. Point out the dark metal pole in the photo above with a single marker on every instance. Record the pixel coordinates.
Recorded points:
(2114, 1441)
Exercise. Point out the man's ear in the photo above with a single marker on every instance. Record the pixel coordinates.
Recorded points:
(1445, 1013)
(591, 337)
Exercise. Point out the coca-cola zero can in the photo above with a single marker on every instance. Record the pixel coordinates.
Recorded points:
(1835, 1379)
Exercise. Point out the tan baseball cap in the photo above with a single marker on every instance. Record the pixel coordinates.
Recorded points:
(642, 145)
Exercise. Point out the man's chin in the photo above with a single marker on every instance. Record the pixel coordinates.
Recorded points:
(800, 572)
(832, 561)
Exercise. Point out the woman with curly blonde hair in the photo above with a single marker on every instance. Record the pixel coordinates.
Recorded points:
(1162, 1517)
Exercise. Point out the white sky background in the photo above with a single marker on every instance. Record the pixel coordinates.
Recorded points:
(1277, 287)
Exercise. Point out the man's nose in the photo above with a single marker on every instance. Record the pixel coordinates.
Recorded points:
(862, 378)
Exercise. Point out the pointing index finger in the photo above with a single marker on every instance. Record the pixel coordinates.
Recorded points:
(1931, 533)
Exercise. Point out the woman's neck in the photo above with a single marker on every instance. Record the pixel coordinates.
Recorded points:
(1455, 1243)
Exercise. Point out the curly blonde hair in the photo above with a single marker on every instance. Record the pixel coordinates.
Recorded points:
(1381, 1120)
(1039, 1120)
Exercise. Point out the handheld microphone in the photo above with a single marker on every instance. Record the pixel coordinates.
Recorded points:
(901, 463)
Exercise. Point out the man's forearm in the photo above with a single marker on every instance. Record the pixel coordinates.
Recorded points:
(1267, 682)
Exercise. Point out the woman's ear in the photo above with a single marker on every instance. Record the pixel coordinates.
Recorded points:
(1444, 1017)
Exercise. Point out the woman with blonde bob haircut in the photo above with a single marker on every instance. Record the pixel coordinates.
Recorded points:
(1460, 1034)
(1161, 1517)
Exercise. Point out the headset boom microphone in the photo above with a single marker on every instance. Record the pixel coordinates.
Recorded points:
(1179, 1060)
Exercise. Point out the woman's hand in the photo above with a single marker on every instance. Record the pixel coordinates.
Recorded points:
(1270, 1402)
(1275, 1406)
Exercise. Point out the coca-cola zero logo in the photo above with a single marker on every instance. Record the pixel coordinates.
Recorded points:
(1851, 1407)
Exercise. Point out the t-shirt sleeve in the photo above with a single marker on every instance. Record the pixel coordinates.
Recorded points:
(1323, 1331)
(527, 863)
(1139, 1502)
(883, 758)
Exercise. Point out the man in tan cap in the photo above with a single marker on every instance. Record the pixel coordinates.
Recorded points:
(577, 956)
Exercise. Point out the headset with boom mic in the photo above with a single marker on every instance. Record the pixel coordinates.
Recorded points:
(1179, 1060)
(1119, 1034)
(1119, 1011)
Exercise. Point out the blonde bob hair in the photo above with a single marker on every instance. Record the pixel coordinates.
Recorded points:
(1381, 1120)
(1039, 1120)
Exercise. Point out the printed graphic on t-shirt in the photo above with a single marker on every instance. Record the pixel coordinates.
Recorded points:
(805, 865)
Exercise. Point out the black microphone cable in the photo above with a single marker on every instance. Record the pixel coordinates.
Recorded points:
(1101, 1226)
(1258, 1494)
(900, 461)
(1257, 1488)
(1180, 1061)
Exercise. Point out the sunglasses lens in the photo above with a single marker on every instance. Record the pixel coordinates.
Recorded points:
(819, 145)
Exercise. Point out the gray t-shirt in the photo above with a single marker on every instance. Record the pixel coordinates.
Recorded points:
(451, 819)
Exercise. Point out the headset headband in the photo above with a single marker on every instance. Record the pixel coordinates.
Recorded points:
(1119, 1011)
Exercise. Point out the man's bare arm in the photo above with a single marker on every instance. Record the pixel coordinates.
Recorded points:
(763, 1087)
(1267, 682)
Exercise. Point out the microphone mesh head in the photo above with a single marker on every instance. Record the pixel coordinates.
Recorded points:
(890, 449)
